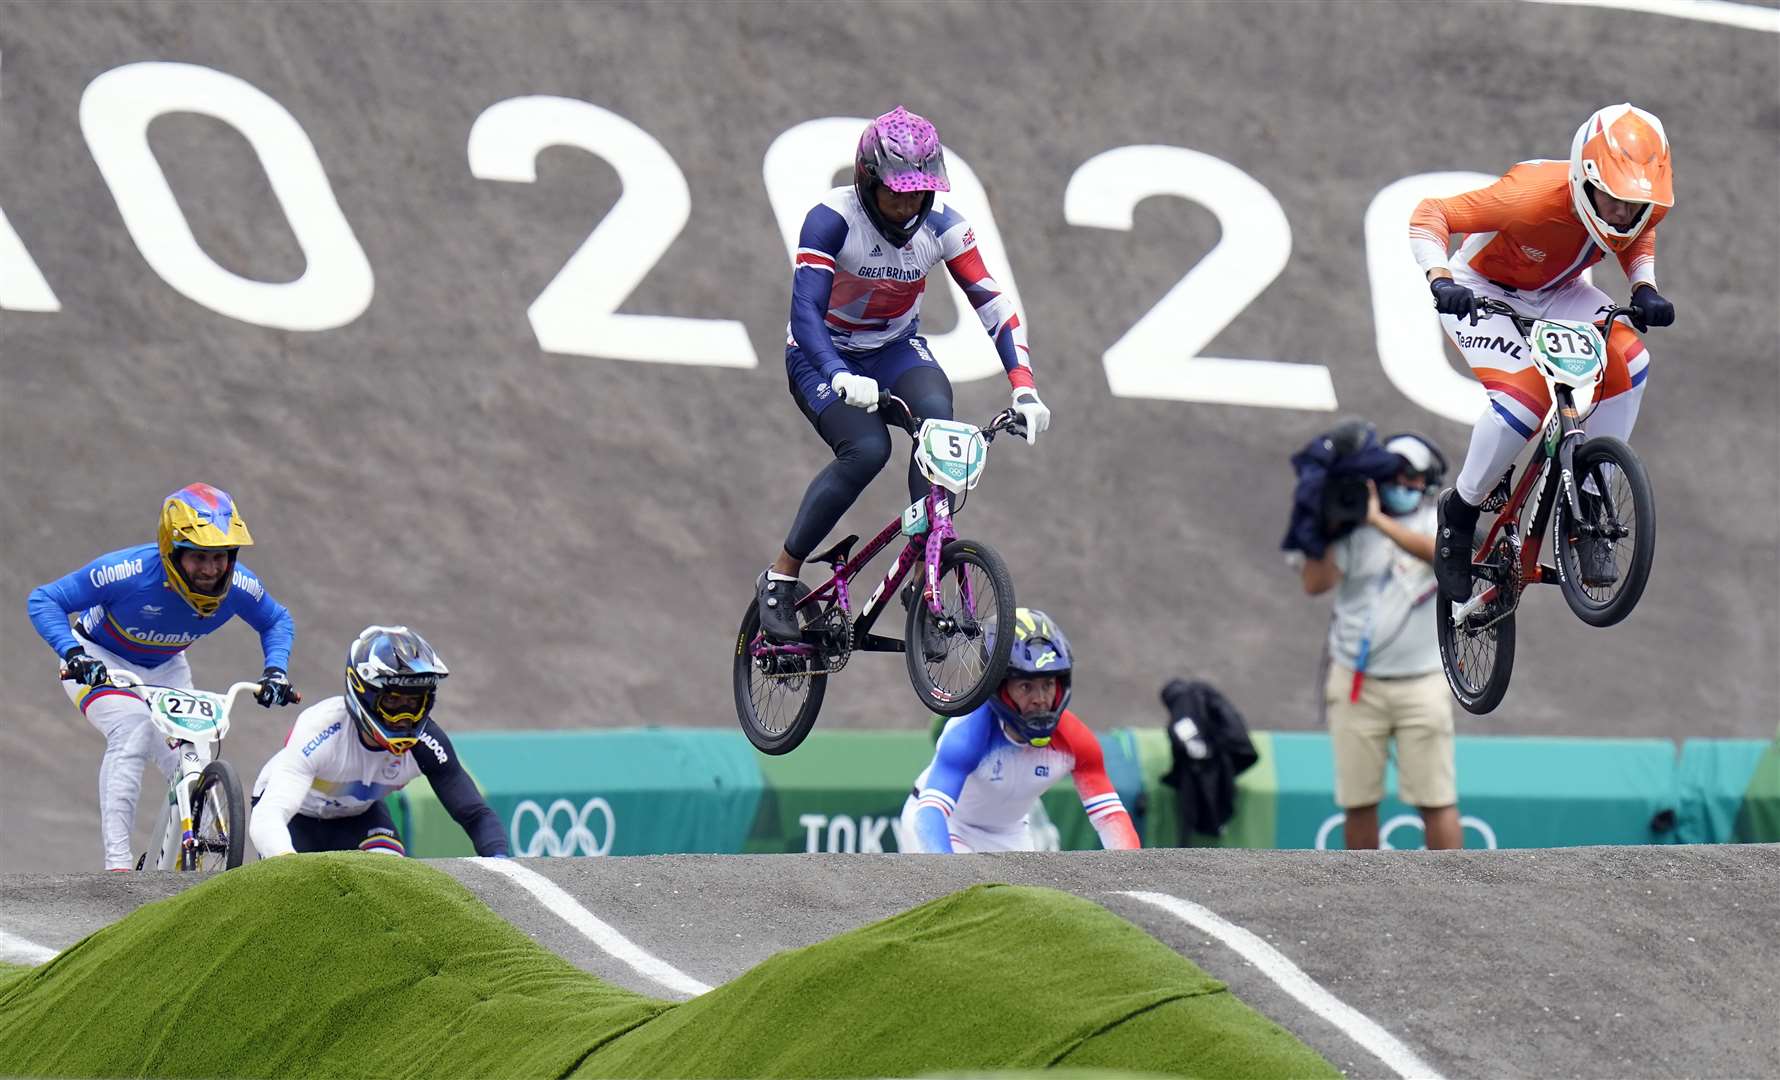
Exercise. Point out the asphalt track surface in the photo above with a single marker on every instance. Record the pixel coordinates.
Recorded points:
(578, 534)
(1587, 962)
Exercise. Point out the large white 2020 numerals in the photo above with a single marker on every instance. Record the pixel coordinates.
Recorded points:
(577, 312)
(1411, 345)
(115, 111)
(798, 169)
(1159, 357)
(22, 287)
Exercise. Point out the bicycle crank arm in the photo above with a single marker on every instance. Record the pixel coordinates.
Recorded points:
(878, 643)
(1470, 606)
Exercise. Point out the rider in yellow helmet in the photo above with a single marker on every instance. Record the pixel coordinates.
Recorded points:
(139, 609)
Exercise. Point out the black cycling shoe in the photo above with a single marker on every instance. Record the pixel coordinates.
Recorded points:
(1452, 546)
(776, 599)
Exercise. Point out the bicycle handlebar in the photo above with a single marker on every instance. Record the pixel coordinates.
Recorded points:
(1524, 324)
(125, 680)
(1005, 420)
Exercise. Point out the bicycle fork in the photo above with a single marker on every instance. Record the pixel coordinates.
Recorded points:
(939, 534)
(1570, 433)
(177, 841)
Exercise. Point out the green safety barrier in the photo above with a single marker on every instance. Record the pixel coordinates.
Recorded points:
(659, 791)
(839, 791)
(1759, 819)
(1714, 782)
(628, 792)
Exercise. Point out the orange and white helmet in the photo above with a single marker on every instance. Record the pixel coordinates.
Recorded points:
(1624, 151)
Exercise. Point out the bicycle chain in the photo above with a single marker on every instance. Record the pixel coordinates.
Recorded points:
(1514, 579)
(835, 661)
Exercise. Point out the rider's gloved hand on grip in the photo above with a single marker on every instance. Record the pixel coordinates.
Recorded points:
(1033, 414)
(1451, 298)
(275, 688)
(856, 390)
(86, 670)
(1650, 309)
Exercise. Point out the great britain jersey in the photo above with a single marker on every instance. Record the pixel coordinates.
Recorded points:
(126, 605)
(981, 777)
(852, 291)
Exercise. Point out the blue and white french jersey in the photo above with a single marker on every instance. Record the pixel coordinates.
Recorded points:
(982, 778)
(127, 606)
(853, 291)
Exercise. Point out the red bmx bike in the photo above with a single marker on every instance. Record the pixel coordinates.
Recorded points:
(1592, 494)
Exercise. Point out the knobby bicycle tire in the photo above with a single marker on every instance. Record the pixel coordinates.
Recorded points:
(917, 631)
(1478, 681)
(1605, 449)
(761, 734)
(219, 774)
(1474, 694)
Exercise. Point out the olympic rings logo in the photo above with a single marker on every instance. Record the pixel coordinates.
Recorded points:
(1413, 821)
(575, 838)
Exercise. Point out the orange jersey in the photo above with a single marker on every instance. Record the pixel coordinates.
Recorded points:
(1522, 232)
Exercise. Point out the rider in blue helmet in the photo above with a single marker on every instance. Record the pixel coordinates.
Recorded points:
(992, 764)
(1034, 694)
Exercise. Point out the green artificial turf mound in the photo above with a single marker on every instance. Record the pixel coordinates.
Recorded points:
(355, 966)
(316, 965)
(994, 977)
(11, 973)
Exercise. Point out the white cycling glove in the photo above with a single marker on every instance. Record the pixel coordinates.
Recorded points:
(1033, 411)
(856, 390)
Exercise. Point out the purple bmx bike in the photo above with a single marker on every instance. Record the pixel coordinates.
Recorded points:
(960, 594)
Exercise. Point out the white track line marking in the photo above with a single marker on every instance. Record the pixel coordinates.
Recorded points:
(1272, 963)
(609, 940)
(1742, 16)
(17, 950)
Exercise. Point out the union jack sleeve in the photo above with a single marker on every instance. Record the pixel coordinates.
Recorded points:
(994, 308)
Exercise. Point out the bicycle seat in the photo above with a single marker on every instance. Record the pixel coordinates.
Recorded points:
(836, 554)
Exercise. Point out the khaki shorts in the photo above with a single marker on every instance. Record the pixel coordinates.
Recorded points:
(1417, 712)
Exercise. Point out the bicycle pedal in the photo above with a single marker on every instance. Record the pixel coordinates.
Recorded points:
(1499, 495)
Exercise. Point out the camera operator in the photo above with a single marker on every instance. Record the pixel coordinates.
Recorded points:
(1385, 680)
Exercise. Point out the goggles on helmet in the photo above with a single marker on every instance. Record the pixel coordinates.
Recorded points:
(392, 680)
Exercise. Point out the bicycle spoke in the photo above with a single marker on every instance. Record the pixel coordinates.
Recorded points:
(1475, 644)
(778, 694)
(962, 659)
(213, 828)
(1615, 515)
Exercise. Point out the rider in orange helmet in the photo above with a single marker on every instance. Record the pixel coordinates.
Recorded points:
(1528, 238)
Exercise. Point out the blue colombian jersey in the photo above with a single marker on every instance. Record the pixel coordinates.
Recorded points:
(126, 606)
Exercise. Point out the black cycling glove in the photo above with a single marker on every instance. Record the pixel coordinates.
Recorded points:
(1650, 309)
(86, 670)
(275, 688)
(1451, 298)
